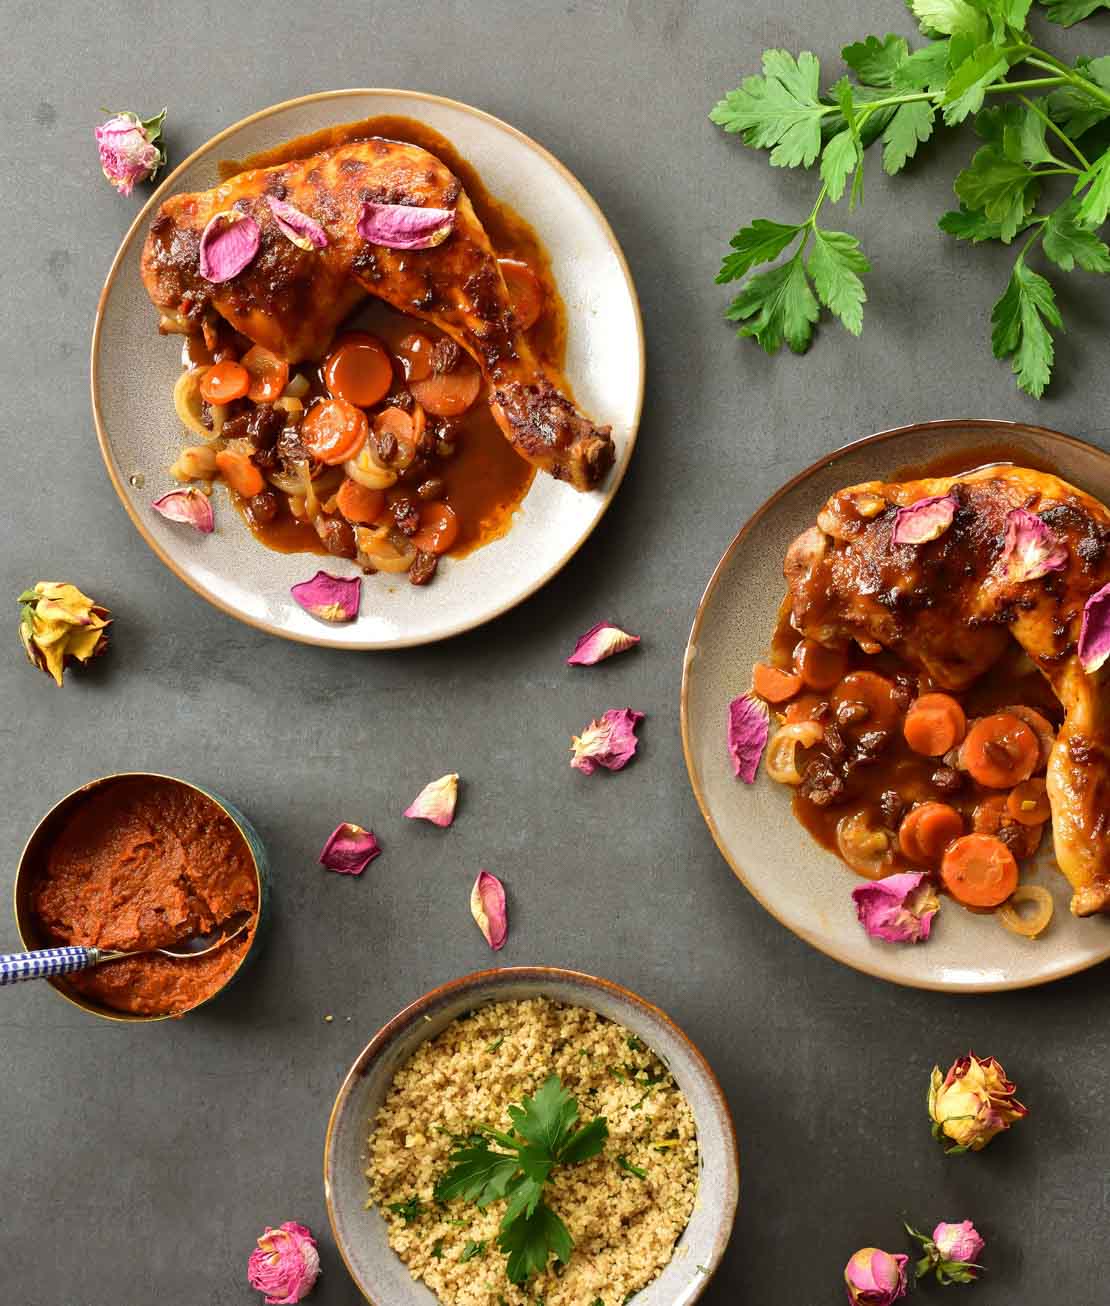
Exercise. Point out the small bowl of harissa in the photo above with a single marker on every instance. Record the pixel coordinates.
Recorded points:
(531, 1134)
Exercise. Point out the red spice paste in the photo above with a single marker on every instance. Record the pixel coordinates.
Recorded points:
(144, 863)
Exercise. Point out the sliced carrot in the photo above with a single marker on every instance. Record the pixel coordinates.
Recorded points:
(805, 708)
(820, 667)
(934, 724)
(359, 370)
(1000, 751)
(439, 527)
(774, 685)
(1040, 725)
(875, 693)
(1028, 802)
(979, 870)
(927, 830)
(395, 422)
(269, 374)
(240, 473)
(525, 291)
(334, 430)
(415, 353)
(359, 504)
(447, 394)
(224, 382)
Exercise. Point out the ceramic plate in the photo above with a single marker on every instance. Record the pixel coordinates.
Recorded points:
(800, 883)
(134, 369)
(361, 1234)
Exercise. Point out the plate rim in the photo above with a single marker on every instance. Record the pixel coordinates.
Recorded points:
(103, 443)
(973, 425)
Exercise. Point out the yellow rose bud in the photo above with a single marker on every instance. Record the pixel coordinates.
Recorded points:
(972, 1103)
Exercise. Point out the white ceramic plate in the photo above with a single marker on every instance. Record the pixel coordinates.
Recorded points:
(134, 369)
(805, 887)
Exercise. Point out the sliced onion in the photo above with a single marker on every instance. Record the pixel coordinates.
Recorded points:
(1027, 926)
(864, 846)
(376, 545)
(187, 401)
(290, 404)
(297, 387)
(781, 760)
(367, 469)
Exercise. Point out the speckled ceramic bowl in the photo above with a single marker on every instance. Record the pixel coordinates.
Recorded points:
(361, 1234)
(38, 846)
(134, 370)
(805, 887)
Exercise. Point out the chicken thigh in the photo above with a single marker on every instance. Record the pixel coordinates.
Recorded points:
(950, 607)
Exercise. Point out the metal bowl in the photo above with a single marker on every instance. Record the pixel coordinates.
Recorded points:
(38, 845)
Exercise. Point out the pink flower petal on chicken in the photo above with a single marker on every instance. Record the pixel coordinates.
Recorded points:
(1094, 632)
(749, 724)
(487, 906)
(285, 1265)
(600, 642)
(1031, 549)
(925, 520)
(404, 226)
(609, 742)
(303, 231)
(130, 149)
(875, 1278)
(228, 244)
(188, 506)
(899, 908)
(436, 801)
(334, 599)
(350, 849)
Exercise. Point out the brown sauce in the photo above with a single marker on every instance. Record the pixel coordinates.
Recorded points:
(961, 462)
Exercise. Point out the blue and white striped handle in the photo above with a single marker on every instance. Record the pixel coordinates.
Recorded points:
(16, 966)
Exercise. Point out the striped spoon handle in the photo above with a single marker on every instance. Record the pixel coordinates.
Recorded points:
(16, 966)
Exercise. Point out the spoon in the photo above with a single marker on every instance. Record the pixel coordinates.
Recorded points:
(44, 963)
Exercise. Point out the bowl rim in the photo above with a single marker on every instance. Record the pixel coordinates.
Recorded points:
(414, 1012)
(610, 488)
(973, 426)
(23, 914)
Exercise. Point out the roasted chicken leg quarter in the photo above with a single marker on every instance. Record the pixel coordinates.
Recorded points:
(950, 607)
(291, 300)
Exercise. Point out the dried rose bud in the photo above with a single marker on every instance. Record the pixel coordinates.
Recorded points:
(131, 149)
(188, 506)
(60, 625)
(404, 226)
(875, 1277)
(600, 642)
(899, 908)
(925, 520)
(350, 849)
(952, 1253)
(436, 801)
(285, 1265)
(609, 741)
(487, 906)
(329, 598)
(972, 1103)
(749, 724)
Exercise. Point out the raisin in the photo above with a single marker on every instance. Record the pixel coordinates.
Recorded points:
(423, 567)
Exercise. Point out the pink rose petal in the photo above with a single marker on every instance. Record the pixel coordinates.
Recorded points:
(1031, 548)
(404, 226)
(1094, 633)
(749, 724)
(600, 642)
(436, 801)
(188, 506)
(350, 849)
(925, 520)
(609, 741)
(303, 231)
(876, 1278)
(958, 1242)
(228, 244)
(329, 598)
(285, 1265)
(899, 908)
(487, 906)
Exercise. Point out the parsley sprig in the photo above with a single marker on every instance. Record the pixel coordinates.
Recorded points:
(545, 1133)
(1052, 125)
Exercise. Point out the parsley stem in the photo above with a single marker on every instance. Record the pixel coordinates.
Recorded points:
(1042, 59)
(811, 221)
(1034, 108)
(1064, 170)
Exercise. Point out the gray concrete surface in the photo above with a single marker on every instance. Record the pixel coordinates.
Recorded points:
(139, 1164)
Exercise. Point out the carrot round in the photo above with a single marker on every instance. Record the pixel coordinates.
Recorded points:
(359, 504)
(979, 870)
(359, 370)
(224, 382)
(804, 708)
(334, 431)
(992, 816)
(927, 830)
(525, 291)
(1000, 751)
(1028, 802)
(439, 527)
(774, 685)
(873, 692)
(240, 473)
(447, 394)
(819, 667)
(934, 724)
(415, 353)
(269, 374)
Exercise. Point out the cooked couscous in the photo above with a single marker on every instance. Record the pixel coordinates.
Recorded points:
(624, 1207)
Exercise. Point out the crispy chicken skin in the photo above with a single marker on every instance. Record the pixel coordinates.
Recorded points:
(947, 608)
(291, 300)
